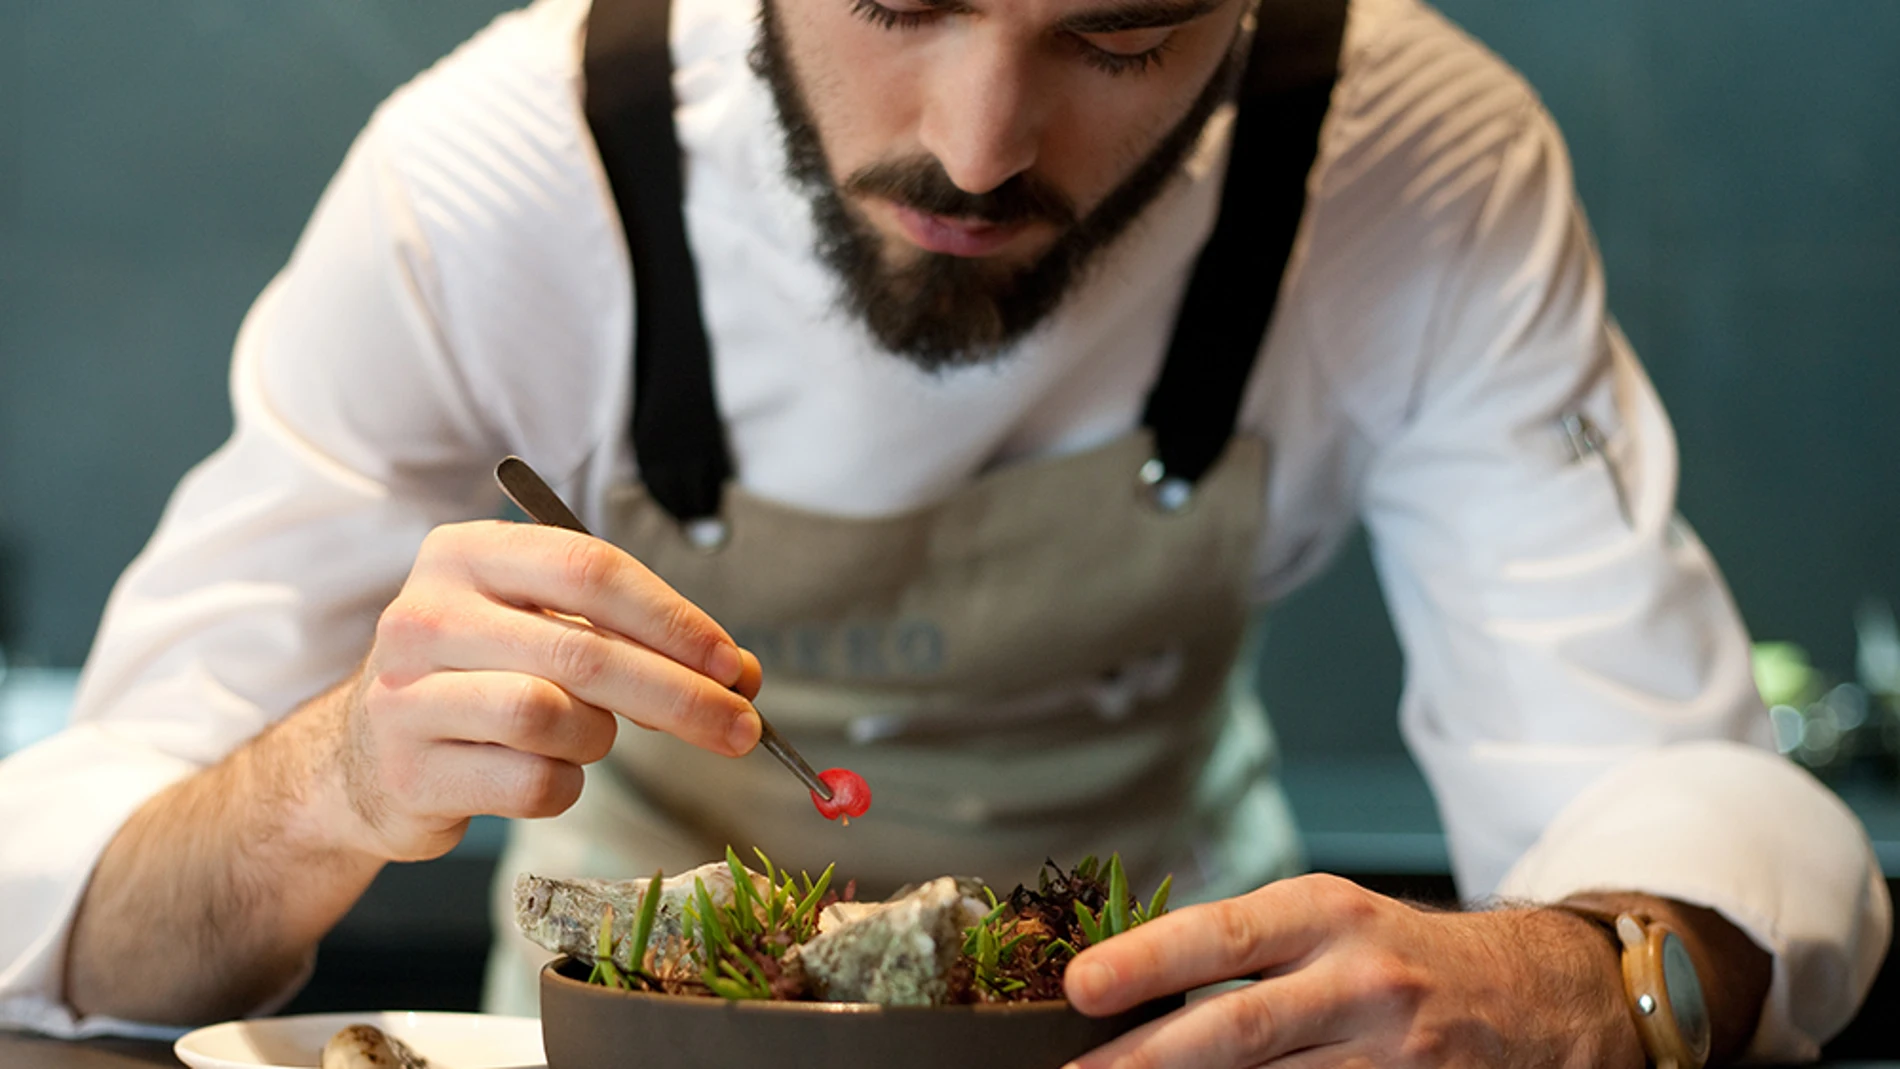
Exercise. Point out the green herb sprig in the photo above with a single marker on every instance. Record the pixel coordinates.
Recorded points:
(637, 977)
(1120, 912)
(741, 944)
(1019, 950)
(991, 945)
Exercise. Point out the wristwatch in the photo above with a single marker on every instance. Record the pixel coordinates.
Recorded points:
(1659, 981)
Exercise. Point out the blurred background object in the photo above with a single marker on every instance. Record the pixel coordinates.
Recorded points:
(1840, 730)
(34, 701)
(1737, 158)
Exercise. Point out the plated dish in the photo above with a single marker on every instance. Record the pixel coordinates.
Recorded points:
(447, 1040)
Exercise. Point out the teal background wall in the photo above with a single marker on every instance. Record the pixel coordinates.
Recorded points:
(1738, 158)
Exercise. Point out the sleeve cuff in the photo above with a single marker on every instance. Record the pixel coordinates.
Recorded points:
(1735, 829)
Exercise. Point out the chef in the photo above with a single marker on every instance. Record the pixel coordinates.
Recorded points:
(953, 377)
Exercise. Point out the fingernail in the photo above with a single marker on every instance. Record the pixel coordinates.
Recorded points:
(726, 665)
(744, 734)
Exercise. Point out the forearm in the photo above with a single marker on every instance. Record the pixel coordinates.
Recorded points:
(1734, 972)
(214, 894)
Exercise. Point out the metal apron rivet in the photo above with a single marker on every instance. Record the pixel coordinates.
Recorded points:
(709, 534)
(1167, 493)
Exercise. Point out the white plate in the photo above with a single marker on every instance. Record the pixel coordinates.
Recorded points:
(448, 1040)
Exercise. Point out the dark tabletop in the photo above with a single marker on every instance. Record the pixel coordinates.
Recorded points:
(20, 1051)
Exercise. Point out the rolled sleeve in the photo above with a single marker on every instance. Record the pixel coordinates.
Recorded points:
(1744, 832)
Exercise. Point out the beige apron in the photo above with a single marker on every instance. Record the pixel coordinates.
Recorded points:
(1042, 666)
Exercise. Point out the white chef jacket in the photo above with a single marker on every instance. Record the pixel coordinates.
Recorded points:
(1578, 688)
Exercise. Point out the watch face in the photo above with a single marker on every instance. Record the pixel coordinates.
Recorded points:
(1685, 994)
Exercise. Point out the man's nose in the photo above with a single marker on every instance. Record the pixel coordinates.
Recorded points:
(983, 120)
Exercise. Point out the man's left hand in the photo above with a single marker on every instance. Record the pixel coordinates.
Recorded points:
(1352, 978)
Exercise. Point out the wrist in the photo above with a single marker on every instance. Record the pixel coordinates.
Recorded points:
(300, 768)
(1594, 965)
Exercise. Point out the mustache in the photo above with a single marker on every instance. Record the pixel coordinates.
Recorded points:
(920, 182)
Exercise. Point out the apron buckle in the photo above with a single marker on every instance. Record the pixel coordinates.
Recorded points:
(1169, 494)
(708, 534)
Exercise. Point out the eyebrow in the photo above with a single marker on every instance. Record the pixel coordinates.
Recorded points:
(1139, 15)
(1132, 15)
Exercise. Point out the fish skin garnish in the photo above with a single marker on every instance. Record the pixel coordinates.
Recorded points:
(563, 915)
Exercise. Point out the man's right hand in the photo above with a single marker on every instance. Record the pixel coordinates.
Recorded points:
(493, 677)
(498, 672)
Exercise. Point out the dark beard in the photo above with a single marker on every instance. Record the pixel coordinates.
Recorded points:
(941, 311)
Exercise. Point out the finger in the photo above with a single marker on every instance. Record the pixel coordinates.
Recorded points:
(1192, 947)
(751, 677)
(458, 779)
(1247, 1026)
(605, 669)
(600, 668)
(517, 710)
(567, 572)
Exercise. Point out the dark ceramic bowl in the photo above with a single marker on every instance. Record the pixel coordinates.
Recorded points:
(586, 1026)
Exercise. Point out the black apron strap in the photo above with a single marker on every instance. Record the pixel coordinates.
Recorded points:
(1222, 325)
(678, 437)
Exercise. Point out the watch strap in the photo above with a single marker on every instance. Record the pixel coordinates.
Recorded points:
(1640, 941)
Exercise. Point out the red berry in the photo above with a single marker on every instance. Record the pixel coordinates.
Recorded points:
(850, 795)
